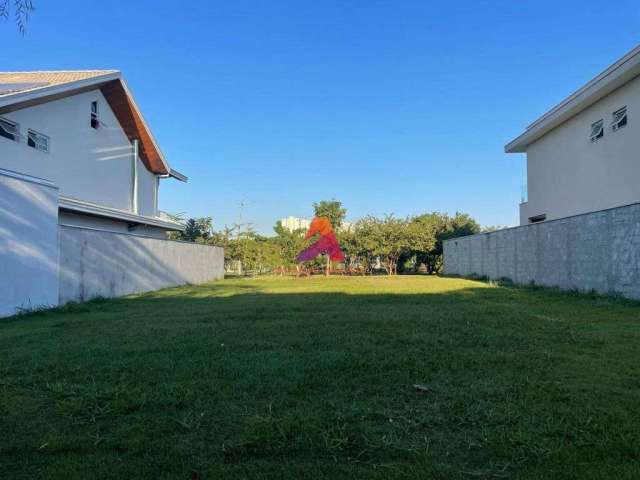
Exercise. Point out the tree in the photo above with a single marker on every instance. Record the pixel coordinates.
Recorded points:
(384, 238)
(422, 232)
(392, 241)
(21, 11)
(435, 223)
(352, 249)
(333, 210)
(197, 230)
(444, 227)
(290, 242)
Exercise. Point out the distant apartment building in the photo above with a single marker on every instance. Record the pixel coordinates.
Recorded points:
(582, 155)
(295, 223)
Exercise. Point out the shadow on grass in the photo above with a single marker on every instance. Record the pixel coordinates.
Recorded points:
(254, 374)
(196, 297)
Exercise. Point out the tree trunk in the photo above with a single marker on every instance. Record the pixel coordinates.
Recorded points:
(326, 274)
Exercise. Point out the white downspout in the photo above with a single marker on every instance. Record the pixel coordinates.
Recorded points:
(155, 197)
(134, 191)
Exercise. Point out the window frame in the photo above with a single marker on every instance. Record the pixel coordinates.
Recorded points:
(37, 145)
(16, 126)
(619, 116)
(95, 115)
(593, 136)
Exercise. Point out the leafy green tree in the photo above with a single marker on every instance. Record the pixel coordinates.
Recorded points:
(443, 227)
(247, 252)
(394, 242)
(350, 247)
(197, 230)
(422, 232)
(333, 210)
(259, 254)
(224, 239)
(384, 238)
(290, 243)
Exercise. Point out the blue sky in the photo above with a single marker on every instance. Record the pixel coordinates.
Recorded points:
(389, 106)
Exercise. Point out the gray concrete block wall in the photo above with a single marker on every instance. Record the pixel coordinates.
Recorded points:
(96, 263)
(596, 251)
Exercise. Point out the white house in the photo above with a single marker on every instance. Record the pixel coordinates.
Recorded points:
(582, 155)
(82, 131)
(79, 178)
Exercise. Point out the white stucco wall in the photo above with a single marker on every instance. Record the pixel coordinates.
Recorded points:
(89, 164)
(147, 193)
(569, 175)
(28, 243)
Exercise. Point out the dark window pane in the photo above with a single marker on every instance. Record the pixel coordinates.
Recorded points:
(5, 134)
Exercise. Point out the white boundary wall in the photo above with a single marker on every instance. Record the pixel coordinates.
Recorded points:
(28, 243)
(595, 251)
(44, 264)
(97, 263)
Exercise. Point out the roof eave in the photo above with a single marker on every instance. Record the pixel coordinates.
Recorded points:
(146, 126)
(618, 74)
(88, 208)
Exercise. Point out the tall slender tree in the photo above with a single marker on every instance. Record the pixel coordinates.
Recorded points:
(335, 212)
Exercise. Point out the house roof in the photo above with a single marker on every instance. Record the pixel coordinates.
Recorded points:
(19, 82)
(621, 72)
(24, 89)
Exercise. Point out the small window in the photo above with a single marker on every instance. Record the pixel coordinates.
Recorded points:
(597, 130)
(9, 129)
(95, 121)
(538, 218)
(619, 119)
(37, 140)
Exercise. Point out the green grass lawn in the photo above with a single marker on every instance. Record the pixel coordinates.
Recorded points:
(314, 378)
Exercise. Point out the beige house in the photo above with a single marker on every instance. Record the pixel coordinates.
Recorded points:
(583, 155)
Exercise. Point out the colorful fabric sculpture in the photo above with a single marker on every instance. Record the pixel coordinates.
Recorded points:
(327, 243)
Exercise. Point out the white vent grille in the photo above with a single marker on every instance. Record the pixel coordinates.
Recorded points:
(38, 141)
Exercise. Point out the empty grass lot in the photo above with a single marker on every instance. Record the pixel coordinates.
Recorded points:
(314, 379)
